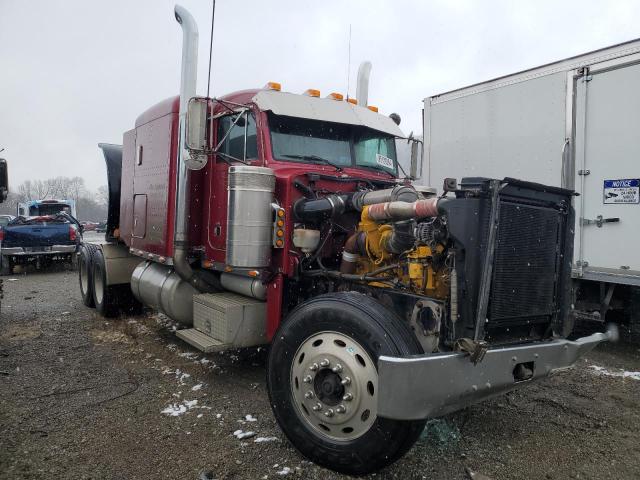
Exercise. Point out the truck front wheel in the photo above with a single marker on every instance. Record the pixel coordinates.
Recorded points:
(323, 380)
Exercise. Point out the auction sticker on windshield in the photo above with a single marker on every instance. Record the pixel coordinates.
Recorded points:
(384, 161)
(626, 190)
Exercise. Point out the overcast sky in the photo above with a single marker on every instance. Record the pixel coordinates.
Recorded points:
(74, 73)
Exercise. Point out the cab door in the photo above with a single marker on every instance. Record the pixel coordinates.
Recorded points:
(233, 150)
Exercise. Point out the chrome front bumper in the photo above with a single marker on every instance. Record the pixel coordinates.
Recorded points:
(53, 250)
(425, 386)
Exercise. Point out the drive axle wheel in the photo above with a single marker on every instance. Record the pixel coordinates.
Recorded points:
(85, 277)
(322, 378)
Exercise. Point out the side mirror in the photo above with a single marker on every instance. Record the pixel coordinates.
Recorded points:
(4, 180)
(415, 168)
(196, 129)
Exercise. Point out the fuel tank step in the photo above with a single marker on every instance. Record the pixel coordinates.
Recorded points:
(233, 320)
(201, 341)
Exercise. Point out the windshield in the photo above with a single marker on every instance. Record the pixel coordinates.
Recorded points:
(313, 141)
(48, 209)
(4, 221)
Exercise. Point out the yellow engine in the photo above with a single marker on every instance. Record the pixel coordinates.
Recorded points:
(415, 268)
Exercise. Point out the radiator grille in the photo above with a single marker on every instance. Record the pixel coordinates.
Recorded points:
(525, 266)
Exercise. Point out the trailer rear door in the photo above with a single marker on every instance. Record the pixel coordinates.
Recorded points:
(607, 157)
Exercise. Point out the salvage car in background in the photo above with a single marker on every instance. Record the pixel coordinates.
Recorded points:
(47, 233)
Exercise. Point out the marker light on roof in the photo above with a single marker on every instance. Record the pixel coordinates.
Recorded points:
(335, 96)
(372, 108)
(352, 100)
(312, 92)
(273, 86)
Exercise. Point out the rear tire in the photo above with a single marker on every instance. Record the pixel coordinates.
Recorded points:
(350, 331)
(85, 274)
(105, 297)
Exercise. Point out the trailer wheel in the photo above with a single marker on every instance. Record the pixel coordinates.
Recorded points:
(85, 277)
(105, 297)
(322, 379)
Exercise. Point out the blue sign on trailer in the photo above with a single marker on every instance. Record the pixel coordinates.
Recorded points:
(624, 190)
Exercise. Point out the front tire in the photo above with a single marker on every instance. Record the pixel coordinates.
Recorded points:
(322, 381)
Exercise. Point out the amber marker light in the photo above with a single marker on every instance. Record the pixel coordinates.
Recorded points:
(281, 212)
(335, 96)
(280, 223)
(280, 233)
(273, 86)
(312, 92)
(372, 108)
(253, 273)
(279, 243)
(352, 101)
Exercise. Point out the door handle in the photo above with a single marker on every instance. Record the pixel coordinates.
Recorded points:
(599, 221)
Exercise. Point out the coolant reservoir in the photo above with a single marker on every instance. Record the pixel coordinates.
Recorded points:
(249, 221)
(305, 239)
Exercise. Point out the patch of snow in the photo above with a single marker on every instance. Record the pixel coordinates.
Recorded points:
(265, 439)
(218, 415)
(12, 279)
(200, 415)
(172, 346)
(197, 387)
(284, 471)
(189, 355)
(204, 361)
(240, 435)
(611, 373)
(66, 313)
(250, 418)
(175, 409)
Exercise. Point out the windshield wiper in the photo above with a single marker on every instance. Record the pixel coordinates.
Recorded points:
(378, 169)
(315, 158)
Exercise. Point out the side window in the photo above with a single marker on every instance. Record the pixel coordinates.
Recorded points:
(233, 145)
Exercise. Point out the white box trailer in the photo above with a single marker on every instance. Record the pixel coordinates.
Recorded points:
(574, 123)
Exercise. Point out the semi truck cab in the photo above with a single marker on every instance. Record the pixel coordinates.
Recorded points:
(266, 217)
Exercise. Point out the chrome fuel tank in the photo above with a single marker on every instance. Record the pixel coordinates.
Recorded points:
(160, 287)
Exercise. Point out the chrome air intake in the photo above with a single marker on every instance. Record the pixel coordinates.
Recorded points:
(250, 218)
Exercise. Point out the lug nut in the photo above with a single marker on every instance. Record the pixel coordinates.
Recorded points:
(307, 379)
(347, 397)
(324, 363)
(346, 381)
(317, 407)
(341, 409)
(329, 413)
(313, 367)
(309, 394)
(337, 368)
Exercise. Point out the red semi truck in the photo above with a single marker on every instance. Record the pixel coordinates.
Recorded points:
(265, 217)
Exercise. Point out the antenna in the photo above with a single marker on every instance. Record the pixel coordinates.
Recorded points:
(349, 64)
(213, 16)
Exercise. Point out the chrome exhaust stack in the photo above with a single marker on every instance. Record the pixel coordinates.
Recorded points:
(188, 79)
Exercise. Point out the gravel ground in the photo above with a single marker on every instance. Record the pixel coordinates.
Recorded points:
(85, 397)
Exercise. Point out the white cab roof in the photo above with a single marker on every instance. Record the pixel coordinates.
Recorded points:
(325, 109)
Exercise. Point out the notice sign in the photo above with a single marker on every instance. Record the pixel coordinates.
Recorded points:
(626, 190)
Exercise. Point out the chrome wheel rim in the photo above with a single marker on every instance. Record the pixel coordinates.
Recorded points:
(334, 384)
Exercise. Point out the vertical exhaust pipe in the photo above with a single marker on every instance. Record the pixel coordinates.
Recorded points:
(362, 87)
(188, 78)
